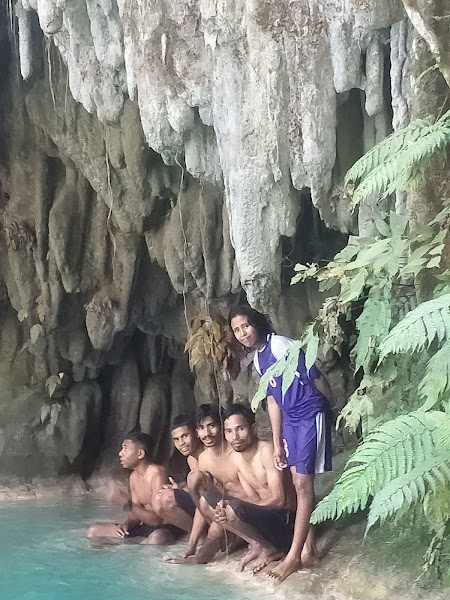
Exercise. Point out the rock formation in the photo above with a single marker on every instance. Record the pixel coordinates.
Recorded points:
(160, 161)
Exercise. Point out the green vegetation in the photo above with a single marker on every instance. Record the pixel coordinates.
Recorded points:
(399, 345)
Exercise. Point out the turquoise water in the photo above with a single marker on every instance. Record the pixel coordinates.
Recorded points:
(44, 556)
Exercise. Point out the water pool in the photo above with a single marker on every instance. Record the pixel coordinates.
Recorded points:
(44, 556)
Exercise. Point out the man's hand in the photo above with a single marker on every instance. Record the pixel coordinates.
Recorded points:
(173, 485)
(279, 459)
(122, 531)
(220, 514)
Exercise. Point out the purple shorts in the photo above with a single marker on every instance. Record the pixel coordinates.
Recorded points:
(308, 445)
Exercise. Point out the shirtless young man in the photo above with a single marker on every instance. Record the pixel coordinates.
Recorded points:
(147, 518)
(186, 441)
(267, 521)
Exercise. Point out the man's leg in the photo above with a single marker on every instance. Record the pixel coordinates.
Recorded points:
(160, 537)
(259, 547)
(102, 530)
(304, 487)
(209, 549)
(167, 508)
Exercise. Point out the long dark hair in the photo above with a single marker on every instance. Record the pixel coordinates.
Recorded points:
(256, 319)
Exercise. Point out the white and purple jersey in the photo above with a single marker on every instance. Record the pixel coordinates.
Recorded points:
(302, 400)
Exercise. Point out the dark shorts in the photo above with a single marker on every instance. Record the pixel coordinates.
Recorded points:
(308, 445)
(276, 525)
(144, 530)
(184, 501)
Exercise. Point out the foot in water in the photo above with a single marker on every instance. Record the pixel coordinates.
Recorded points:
(180, 560)
(265, 558)
(254, 550)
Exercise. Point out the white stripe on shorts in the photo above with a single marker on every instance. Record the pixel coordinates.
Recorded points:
(321, 439)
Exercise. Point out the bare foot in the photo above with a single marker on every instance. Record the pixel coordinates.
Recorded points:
(284, 569)
(265, 558)
(254, 550)
(180, 560)
(310, 561)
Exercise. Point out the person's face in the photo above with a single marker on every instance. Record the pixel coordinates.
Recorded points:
(184, 440)
(209, 432)
(130, 454)
(239, 433)
(245, 333)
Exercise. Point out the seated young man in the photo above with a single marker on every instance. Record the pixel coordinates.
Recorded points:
(216, 471)
(266, 522)
(149, 518)
(185, 439)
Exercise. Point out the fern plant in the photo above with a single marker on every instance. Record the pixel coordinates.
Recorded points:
(402, 350)
(398, 459)
(399, 161)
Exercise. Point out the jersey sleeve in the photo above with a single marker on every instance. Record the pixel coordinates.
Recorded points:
(280, 345)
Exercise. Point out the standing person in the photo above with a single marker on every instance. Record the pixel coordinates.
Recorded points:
(300, 426)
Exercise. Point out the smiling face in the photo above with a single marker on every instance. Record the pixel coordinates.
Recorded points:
(239, 433)
(209, 432)
(131, 454)
(243, 331)
(184, 440)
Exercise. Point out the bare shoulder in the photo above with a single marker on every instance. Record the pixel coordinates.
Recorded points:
(204, 459)
(192, 462)
(155, 471)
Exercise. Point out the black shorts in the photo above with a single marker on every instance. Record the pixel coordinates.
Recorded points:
(144, 530)
(276, 525)
(184, 501)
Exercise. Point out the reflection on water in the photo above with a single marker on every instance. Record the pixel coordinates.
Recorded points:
(44, 556)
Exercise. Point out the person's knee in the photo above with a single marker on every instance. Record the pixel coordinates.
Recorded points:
(159, 537)
(195, 480)
(304, 484)
(167, 500)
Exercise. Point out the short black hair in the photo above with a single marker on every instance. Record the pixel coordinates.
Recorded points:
(143, 440)
(240, 409)
(207, 410)
(183, 421)
(260, 322)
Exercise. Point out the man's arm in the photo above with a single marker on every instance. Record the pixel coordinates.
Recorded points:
(274, 411)
(275, 497)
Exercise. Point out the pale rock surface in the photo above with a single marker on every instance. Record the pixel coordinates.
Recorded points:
(222, 86)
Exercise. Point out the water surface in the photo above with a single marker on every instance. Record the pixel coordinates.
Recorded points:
(44, 556)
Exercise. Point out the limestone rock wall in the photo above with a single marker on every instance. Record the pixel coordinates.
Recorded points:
(244, 93)
(160, 161)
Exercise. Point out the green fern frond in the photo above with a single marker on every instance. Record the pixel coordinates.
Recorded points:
(429, 321)
(284, 366)
(406, 490)
(437, 377)
(399, 161)
(389, 451)
(385, 149)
